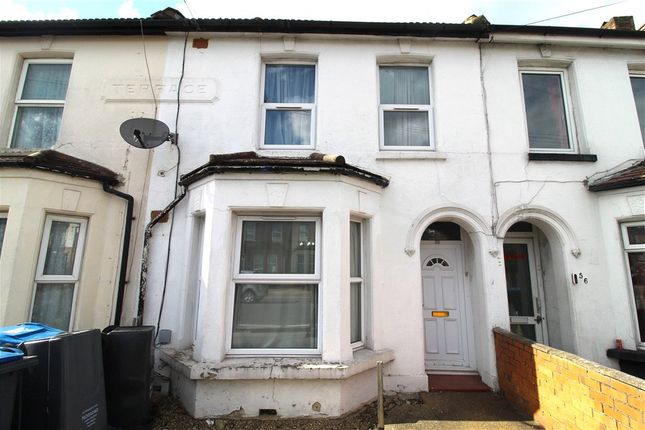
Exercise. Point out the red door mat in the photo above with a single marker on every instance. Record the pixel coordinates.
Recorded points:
(470, 383)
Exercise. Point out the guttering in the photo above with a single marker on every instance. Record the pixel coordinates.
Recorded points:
(143, 280)
(582, 37)
(125, 252)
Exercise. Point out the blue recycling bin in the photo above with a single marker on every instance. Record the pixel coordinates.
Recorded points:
(14, 335)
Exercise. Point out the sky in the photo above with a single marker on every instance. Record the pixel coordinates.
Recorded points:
(517, 12)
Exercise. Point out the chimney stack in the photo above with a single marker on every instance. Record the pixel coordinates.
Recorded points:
(619, 23)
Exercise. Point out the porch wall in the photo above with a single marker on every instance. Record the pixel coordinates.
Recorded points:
(564, 391)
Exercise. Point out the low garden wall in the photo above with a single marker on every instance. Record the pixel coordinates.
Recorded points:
(564, 391)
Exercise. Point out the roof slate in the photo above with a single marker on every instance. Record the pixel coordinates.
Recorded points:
(58, 162)
(632, 176)
(250, 162)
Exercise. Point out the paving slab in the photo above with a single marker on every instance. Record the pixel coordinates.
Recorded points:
(458, 410)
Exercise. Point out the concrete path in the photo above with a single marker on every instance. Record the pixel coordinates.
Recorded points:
(450, 410)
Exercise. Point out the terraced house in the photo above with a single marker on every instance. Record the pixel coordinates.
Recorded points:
(332, 194)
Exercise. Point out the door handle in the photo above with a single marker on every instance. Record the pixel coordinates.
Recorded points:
(538, 319)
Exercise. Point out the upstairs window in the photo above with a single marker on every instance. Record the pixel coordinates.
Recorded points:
(548, 111)
(39, 103)
(289, 105)
(638, 87)
(405, 108)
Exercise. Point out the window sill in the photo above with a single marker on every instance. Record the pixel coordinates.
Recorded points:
(555, 156)
(410, 155)
(235, 368)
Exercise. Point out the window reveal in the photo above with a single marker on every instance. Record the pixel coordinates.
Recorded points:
(276, 286)
(289, 104)
(39, 103)
(548, 113)
(405, 108)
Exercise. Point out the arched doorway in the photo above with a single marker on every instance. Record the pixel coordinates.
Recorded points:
(538, 299)
(447, 311)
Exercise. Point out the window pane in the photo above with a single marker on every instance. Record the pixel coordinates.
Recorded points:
(637, 269)
(406, 129)
(275, 316)
(518, 279)
(545, 111)
(442, 231)
(638, 87)
(288, 127)
(289, 83)
(636, 234)
(46, 82)
(53, 305)
(355, 311)
(404, 85)
(354, 249)
(61, 248)
(3, 227)
(524, 330)
(292, 251)
(36, 127)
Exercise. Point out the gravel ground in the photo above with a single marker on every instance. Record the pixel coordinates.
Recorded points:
(169, 415)
(425, 411)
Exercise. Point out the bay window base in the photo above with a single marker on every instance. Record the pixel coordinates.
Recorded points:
(293, 387)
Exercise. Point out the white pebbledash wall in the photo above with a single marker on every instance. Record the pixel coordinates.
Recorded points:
(478, 176)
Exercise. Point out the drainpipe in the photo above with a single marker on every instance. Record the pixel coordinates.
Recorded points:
(124, 252)
(144, 258)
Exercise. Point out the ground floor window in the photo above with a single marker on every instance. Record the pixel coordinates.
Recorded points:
(356, 285)
(58, 270)
(634, 243)
(277, 286)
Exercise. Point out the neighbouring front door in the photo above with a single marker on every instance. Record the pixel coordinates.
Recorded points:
(525, 305)
(445, 318)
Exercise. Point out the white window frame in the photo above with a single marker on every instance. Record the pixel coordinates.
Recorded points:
(568, 109)
(289, 106)
(637, 75)
(362, 280)
(74, 278)
(629, 248)
(271, 278)
(18, 102)
(429, 108)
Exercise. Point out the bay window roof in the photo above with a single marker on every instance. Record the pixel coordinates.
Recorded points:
(250, 162)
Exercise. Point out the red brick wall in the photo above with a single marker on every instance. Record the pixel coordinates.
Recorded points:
(563, 391)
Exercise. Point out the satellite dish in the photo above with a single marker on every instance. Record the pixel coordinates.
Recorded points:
(146, 133)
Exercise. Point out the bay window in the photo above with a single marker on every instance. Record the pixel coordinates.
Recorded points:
(58, 270)
(549, 117)
(39, 103)
(3, 227)
(277, 278)
(634, 244)
(289, 105)
(356, 285)
(405, 107)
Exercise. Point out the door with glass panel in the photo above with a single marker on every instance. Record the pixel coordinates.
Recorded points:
(57, 273)
(445, 317)
(525, 298)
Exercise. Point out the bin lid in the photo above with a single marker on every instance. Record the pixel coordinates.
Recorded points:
(8, 354)
(17, 334)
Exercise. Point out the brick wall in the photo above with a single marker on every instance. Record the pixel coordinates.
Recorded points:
(563, 391)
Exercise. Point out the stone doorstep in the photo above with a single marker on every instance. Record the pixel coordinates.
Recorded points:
(261, 368)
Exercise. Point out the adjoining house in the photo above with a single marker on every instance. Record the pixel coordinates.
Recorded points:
(343, 193)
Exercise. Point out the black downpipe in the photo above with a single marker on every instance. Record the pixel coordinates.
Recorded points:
(124, 252)
(143, 281)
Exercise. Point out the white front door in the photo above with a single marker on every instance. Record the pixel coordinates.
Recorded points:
(445, 317)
